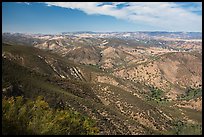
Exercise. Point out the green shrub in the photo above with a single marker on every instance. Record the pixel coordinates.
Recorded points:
(183, 128)
(191, 93)
(156, 95)
(24, 116)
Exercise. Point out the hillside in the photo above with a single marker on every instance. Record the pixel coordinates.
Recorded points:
(171, 72)
(125, 89)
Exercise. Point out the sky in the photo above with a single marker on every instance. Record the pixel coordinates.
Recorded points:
(57, 17)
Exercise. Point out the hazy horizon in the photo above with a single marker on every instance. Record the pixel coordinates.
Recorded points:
(104, 32)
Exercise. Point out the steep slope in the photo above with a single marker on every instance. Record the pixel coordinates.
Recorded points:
(42, 61)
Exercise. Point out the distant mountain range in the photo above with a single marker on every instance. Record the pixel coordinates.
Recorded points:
(182, 35)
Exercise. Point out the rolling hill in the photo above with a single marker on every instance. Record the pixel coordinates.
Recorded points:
(126, 89)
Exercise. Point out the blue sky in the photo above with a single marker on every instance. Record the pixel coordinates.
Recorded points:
(56, 17)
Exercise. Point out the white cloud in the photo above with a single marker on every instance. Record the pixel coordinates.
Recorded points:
(27, 3)
(166, 15)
